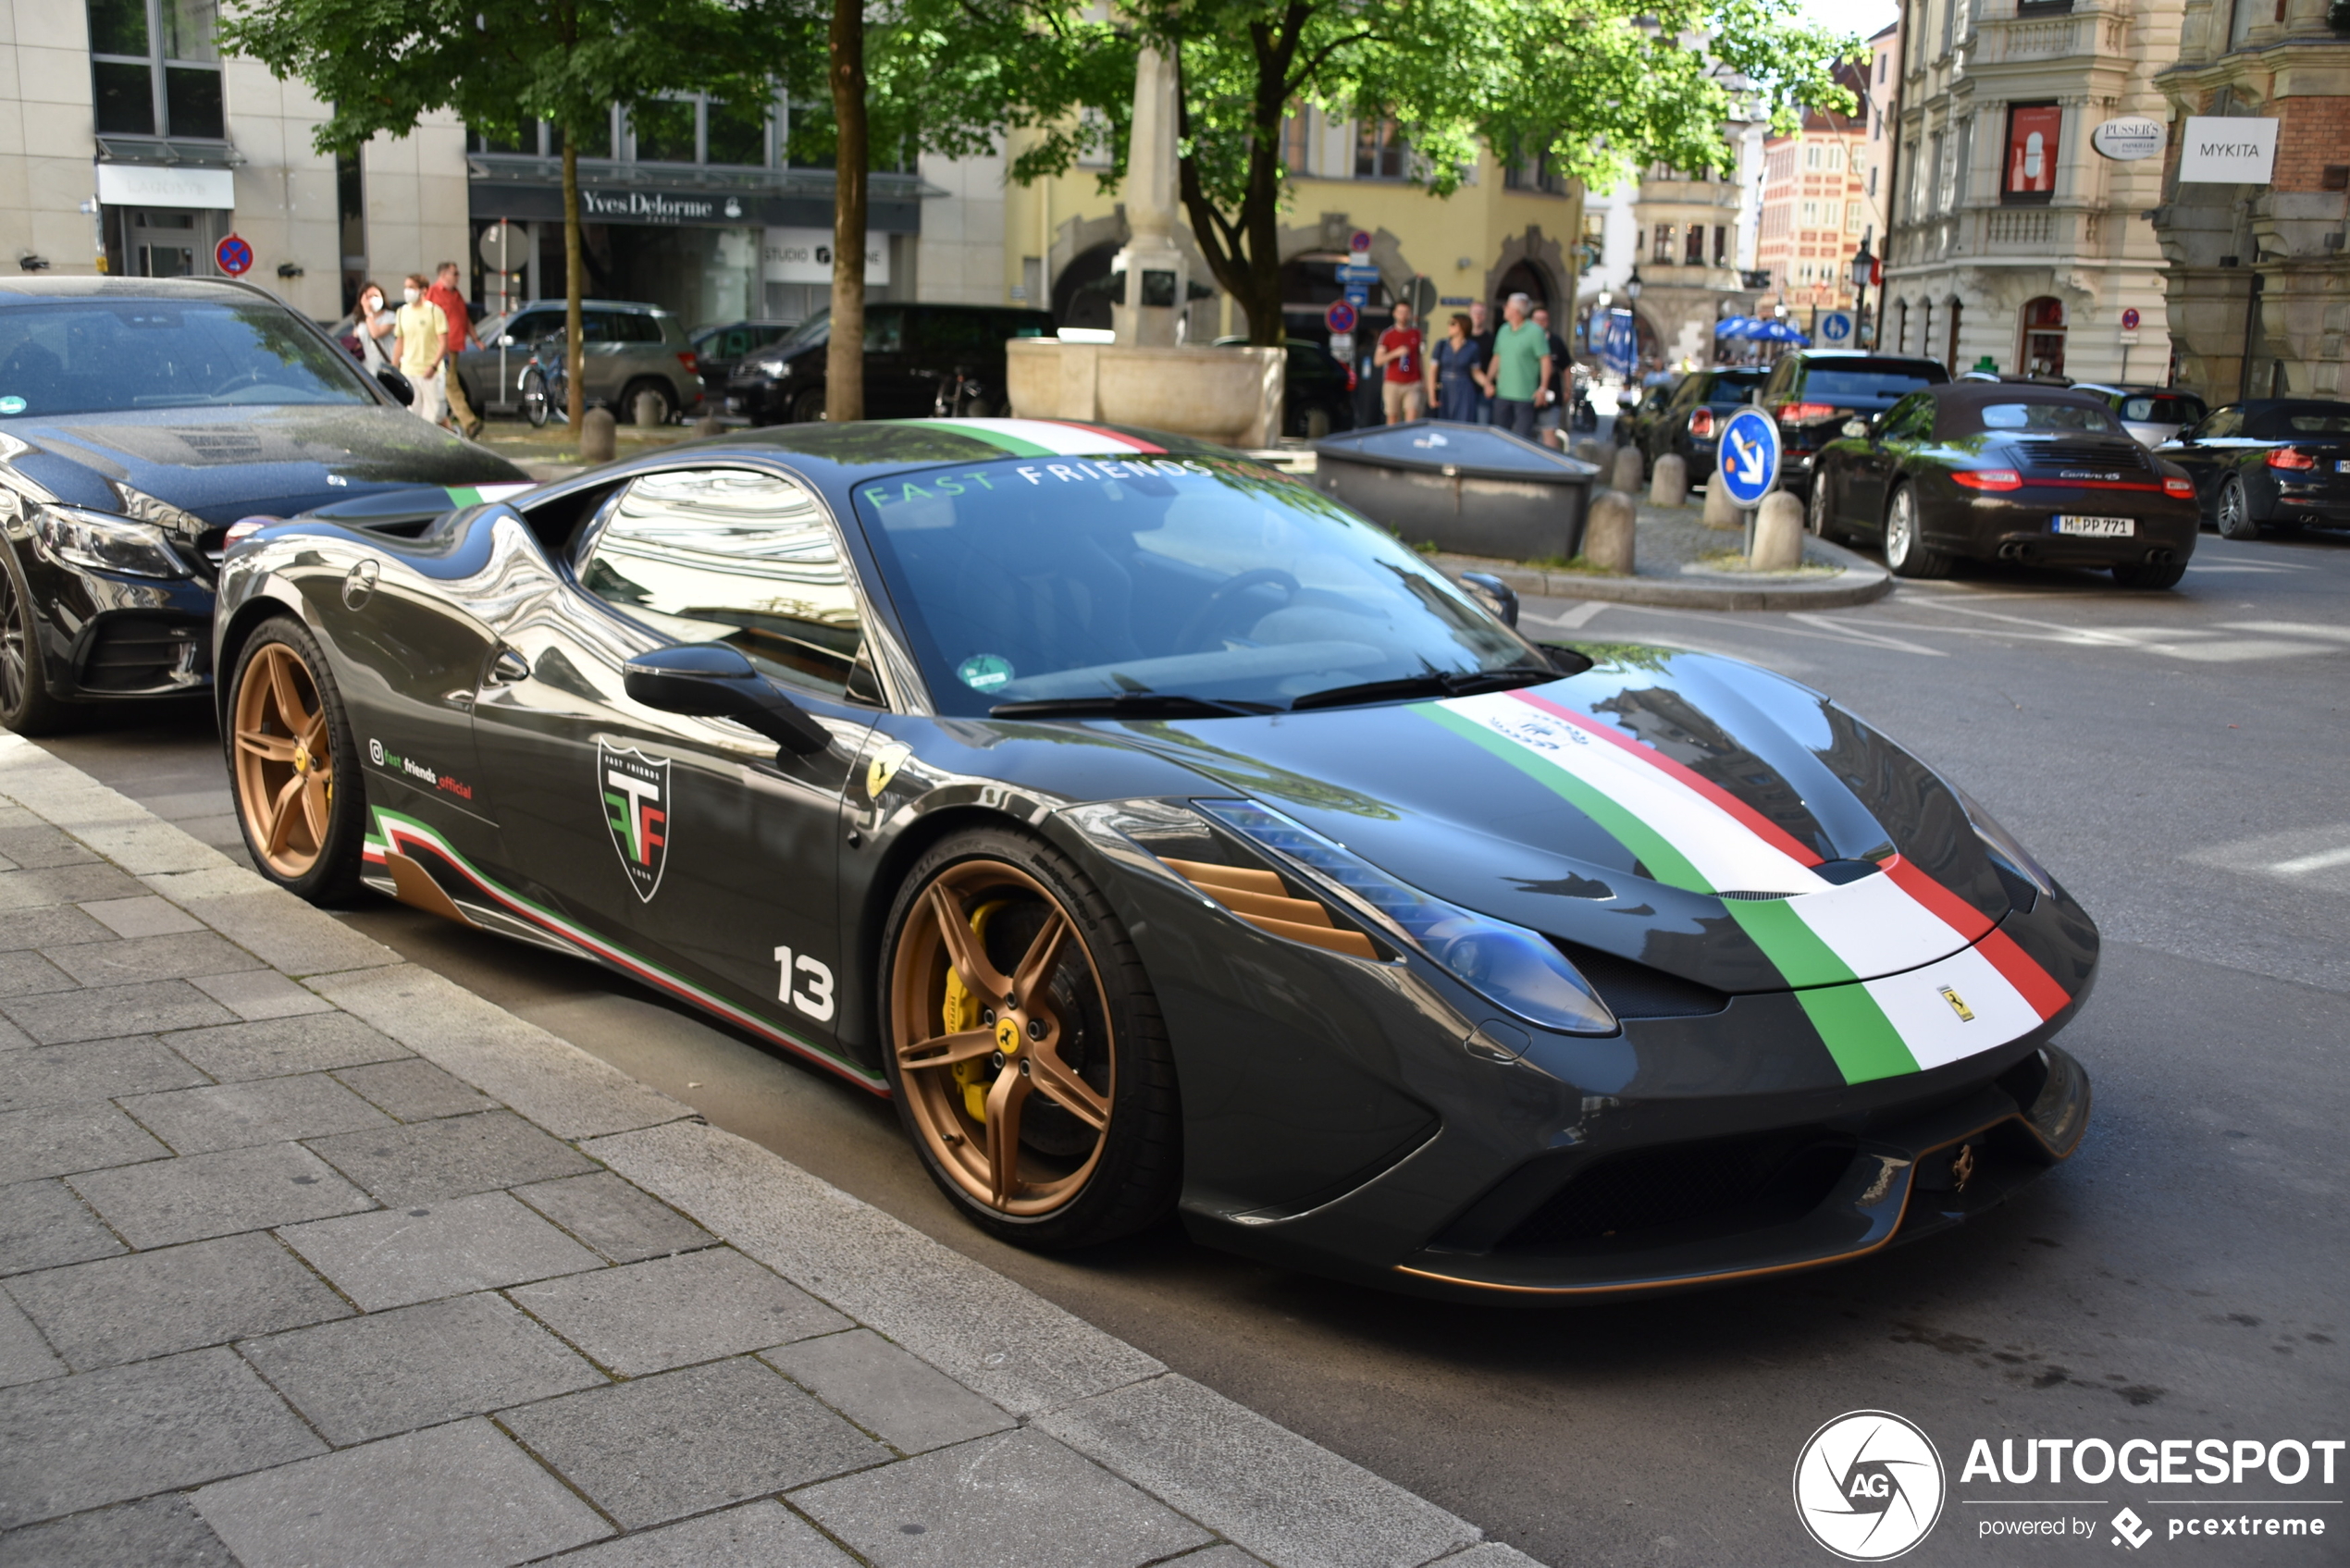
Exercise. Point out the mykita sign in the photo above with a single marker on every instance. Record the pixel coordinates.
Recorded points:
(2227, 150)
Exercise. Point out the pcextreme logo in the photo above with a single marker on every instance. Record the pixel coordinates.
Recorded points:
(1869, 1485)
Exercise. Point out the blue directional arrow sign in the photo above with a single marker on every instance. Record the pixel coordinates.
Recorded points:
(1347, 274)
(1750, 456)
(1836, 327)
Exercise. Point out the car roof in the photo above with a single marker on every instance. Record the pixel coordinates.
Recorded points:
(591, 304)
(1863, 353)
(869, 449)
(26, 290)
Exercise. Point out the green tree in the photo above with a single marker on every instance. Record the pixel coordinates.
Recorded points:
(500, 65)
(1604, 86)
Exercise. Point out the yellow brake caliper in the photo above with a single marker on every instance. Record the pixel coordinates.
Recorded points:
(962, 1012)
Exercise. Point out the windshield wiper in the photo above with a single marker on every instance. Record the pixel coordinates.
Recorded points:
(1126, 705)
(1435, 683)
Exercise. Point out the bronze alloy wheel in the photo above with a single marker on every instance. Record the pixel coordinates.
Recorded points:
(1002, 1032)
(284, 760)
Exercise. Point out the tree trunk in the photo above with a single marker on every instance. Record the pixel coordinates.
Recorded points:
(844, 358)
(1244, 249)
(575, 286)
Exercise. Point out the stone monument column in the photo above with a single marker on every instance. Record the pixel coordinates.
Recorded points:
(1157, 279)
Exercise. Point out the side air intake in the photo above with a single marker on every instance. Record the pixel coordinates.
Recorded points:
(1259, 899)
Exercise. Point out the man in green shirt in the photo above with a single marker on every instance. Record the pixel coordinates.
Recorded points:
(1519, 376)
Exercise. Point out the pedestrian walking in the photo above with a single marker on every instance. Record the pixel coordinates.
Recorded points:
(1399, 356)
(1520, 369)
(1453, 366)
(444, 293)
(424, 343)
(1482, 332)
(375, 329)
(1547, 419)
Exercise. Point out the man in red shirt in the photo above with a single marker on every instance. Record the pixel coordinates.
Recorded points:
(443, 293)
(1398, 355)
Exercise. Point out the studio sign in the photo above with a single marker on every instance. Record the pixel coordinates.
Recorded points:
(2129, 139)
(652, 206)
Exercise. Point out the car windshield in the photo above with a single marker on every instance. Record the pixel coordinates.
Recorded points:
(105, 357)
(1732, 387)
(1880, 383)
(815, 329)
(2046, 416)
(1037, 579)
(2161, 410)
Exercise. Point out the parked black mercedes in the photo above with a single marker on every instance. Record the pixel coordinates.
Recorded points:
(1814, 391)
(2273, 461)
(920, 360)
(139, 419)
(1997, 471)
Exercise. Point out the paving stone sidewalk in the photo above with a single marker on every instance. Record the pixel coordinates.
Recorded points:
(309, 1257)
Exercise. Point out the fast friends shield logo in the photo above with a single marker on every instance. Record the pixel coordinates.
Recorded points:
(636, 794)
(1869, 1485)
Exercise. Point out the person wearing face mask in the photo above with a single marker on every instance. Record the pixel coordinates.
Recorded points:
(373, 327)
(424, 337)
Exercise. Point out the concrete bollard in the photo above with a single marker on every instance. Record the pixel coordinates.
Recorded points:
(1630, 470)
(651, 412)
(599, 436)
(1590, 451)
(1669, 486)
(709, 425)
(1721, 512)
(1607, 532)
(1778, 534)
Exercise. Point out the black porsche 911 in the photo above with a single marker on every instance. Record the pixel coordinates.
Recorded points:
(2274, 461)
(1162, 836)
(139, 419)
(1988, 471)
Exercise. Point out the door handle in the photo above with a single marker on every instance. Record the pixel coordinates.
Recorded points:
(506, 667)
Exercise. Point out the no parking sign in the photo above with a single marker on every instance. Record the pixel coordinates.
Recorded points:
(233, 256)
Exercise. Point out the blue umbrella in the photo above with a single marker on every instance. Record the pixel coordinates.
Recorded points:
(1735, 326)
(1780, 332)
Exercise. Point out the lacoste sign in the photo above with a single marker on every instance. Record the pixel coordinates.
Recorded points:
(2227, 151)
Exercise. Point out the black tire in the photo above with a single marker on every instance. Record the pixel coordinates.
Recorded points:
(2148, 574)
(334, 857)
(537, 399)
(1815, 512)
(2232, 514)
(628, 395)
(1010, 886)
(808, 407)
(26, 706)
(1905, 548)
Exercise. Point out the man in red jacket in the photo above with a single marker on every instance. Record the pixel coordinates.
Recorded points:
(443, 293)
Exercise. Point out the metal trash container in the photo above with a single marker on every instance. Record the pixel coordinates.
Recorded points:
(1467, 489)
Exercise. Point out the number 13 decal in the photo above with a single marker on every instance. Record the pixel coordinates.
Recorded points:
(815, 997)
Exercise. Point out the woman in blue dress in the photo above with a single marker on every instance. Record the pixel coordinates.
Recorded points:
(1452, 373)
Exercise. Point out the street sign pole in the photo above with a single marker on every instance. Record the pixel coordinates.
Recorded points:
(1748, 462)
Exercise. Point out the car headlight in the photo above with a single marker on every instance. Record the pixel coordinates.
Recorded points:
(2002, 846)
(104, 542)
(778, 368)
(1514, 968)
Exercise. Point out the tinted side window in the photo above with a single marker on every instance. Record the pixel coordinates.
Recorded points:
(947, 331)
(733, 556)
(1911, 419)
(884, 331)
(2223, 425)
(531, 326)
(636, 326)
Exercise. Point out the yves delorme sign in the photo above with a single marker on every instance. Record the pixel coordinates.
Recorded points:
(2227, 151)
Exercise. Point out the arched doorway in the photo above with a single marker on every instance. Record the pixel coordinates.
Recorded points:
(1075, 305)
(1950, 355)
(2042, 352)
(1527, 279)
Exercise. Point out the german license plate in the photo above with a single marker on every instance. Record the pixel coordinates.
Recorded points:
(2096, 527)
(2342, 465)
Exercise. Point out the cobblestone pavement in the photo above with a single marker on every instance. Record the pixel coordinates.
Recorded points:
(310, 1257)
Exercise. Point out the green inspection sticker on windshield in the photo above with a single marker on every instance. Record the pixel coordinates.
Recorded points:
(11, 405)
(984, 671)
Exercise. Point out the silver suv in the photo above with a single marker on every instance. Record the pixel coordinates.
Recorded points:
(631, 347)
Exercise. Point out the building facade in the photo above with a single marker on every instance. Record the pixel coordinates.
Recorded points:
(1817, 206)
(2014, 244)
(2258, 276)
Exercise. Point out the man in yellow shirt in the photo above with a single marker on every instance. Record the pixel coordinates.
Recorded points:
(424, 337)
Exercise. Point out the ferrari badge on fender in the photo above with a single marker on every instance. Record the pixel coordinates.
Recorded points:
(635, 791)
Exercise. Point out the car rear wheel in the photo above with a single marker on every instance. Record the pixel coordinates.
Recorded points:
(26, 706)
(1817, 514)
(1025, 1047)
(637, 389)
(2234, 518)
(809, 406)
(1905, 548)
(292, 766)
(2148, 574)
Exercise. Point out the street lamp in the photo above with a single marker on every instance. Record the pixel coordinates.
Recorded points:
(1863, 274)
(1632, 286)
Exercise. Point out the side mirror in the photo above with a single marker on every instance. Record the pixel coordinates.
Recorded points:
(1856, 428)
(397, 385)
(709, 680)
(1495, 594)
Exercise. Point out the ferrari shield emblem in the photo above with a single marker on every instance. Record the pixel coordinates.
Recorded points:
(636, 792)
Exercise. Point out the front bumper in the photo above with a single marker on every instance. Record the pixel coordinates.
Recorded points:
(104, 635)
(756, 399)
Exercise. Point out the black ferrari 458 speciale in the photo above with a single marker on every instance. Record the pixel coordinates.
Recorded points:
(1163, 835)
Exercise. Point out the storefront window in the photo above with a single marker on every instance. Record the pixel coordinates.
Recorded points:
(2043, 336)
(2032, 153)
(664, 131)
(155, 69)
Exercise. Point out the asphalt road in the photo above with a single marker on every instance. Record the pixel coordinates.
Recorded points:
(2179, 761)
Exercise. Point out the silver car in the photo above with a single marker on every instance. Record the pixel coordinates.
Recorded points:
(632, 347)
(2151, 414)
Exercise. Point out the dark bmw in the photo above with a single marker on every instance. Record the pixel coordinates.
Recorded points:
(138, 420)
(2274, 461)
(1813, 391)
(1991, 471)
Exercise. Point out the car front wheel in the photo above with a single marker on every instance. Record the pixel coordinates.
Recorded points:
(2235, 511)
(26, 706)
(1025, 1046)
(1905, 548)
(809, 406)
(292, 766)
